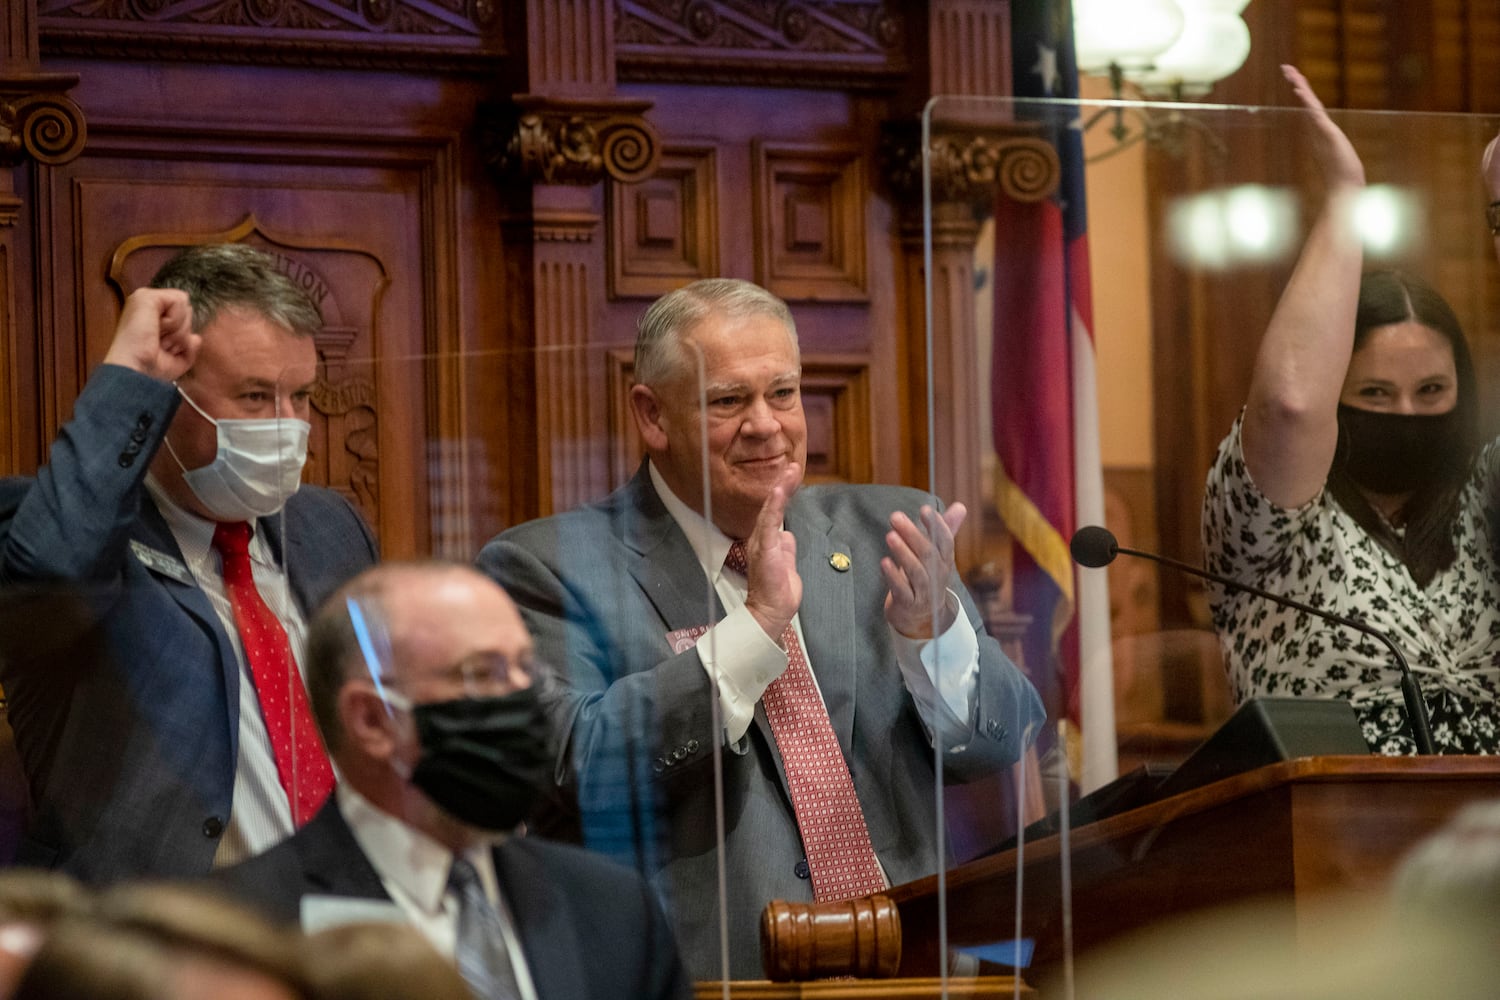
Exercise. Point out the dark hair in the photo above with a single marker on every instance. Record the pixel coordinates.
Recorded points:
(224, 275)
(1426, 547)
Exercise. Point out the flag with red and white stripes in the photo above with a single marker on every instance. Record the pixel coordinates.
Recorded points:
(1045, 419)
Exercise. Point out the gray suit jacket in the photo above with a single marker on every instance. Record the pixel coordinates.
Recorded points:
(123, 687)
(602, 586)
(591, 930)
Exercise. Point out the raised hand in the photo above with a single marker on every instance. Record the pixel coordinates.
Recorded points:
(155, 334)
(1341, 164)
(917, 570)
(774, 587)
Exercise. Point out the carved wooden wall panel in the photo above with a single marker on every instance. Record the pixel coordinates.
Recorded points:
(836, 398)
(836, 42)
(569, 45)
(419, 34)
(974, 37)
(746, 134)
(369, 221)
(810, 222)
(569, 426)
(663, 232)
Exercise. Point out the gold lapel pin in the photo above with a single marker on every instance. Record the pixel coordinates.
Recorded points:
(840, 562)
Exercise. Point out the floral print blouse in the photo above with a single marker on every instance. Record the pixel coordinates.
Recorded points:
(1317, 553)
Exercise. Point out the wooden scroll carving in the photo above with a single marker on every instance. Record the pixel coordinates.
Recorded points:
(969, 166)
(556, 141)
(39, 121)
(854, 937)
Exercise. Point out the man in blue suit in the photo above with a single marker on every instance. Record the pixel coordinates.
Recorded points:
(421, 676)
(135, 697)
(835, 647)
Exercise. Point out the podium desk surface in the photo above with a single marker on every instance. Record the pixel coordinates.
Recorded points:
(1297, 829)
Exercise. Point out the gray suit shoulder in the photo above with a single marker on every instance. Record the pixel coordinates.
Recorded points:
(546, 534)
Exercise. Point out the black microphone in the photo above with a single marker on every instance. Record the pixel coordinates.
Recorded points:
(1095, 546)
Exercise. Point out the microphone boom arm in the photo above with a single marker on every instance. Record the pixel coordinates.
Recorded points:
(1411, 694)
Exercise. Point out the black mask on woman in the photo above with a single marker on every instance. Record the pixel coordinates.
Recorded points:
(1394, 453)
(484, 760)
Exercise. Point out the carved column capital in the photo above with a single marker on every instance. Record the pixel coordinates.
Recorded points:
(557, 141)
(38, 120)
(970, 167)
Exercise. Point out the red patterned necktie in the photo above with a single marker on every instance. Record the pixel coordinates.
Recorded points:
(834, 834)
(301, 764)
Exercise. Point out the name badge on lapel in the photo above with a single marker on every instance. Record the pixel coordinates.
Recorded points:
(683, 639)
(158, 561)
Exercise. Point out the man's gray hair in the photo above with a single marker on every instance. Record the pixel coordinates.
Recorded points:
(217, 276)
(659, 354)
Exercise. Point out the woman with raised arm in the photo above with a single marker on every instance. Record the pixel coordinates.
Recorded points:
(1353, 482)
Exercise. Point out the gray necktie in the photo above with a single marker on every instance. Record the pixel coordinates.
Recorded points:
(480, 946)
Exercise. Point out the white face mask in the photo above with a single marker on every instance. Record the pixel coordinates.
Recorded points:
(258, 466)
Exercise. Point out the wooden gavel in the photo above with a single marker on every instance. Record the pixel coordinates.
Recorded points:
(854, 937)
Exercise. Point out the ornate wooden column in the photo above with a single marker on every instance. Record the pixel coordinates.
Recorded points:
(970, 167)
(39, 124)
(554, 145)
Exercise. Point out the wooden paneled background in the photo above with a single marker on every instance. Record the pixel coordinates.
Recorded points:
(484, 194)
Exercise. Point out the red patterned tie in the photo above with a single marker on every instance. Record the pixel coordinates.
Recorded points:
(832, 824)
(301, 763)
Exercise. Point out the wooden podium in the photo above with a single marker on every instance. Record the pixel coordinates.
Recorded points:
(1293, 829)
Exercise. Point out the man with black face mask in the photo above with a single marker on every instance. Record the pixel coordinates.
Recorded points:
(421, 678)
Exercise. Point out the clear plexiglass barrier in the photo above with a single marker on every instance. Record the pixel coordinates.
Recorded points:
(1258, 342)
(768, 667)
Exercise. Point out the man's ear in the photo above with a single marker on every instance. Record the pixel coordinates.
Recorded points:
(649, 419)
(366, 721)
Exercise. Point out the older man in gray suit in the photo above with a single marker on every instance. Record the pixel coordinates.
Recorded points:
(836, 648)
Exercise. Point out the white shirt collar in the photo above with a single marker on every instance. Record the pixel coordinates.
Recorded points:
(709, 544)
(194, 534)
(407, 860)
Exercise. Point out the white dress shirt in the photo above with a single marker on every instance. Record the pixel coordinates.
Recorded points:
(261, 817)
(414, 870)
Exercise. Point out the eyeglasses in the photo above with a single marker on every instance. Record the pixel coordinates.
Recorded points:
(483, 672)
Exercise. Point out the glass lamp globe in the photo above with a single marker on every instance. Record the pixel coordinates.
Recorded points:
(1214, 43)
(1128, 33)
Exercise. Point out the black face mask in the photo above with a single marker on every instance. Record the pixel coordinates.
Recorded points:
(1394, 453)
(484, 760)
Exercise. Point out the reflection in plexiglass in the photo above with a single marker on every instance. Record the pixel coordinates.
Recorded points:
(1200, 341)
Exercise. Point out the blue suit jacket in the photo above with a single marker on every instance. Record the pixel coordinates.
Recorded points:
(122, 685)
(601, 588)
(589, 928)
